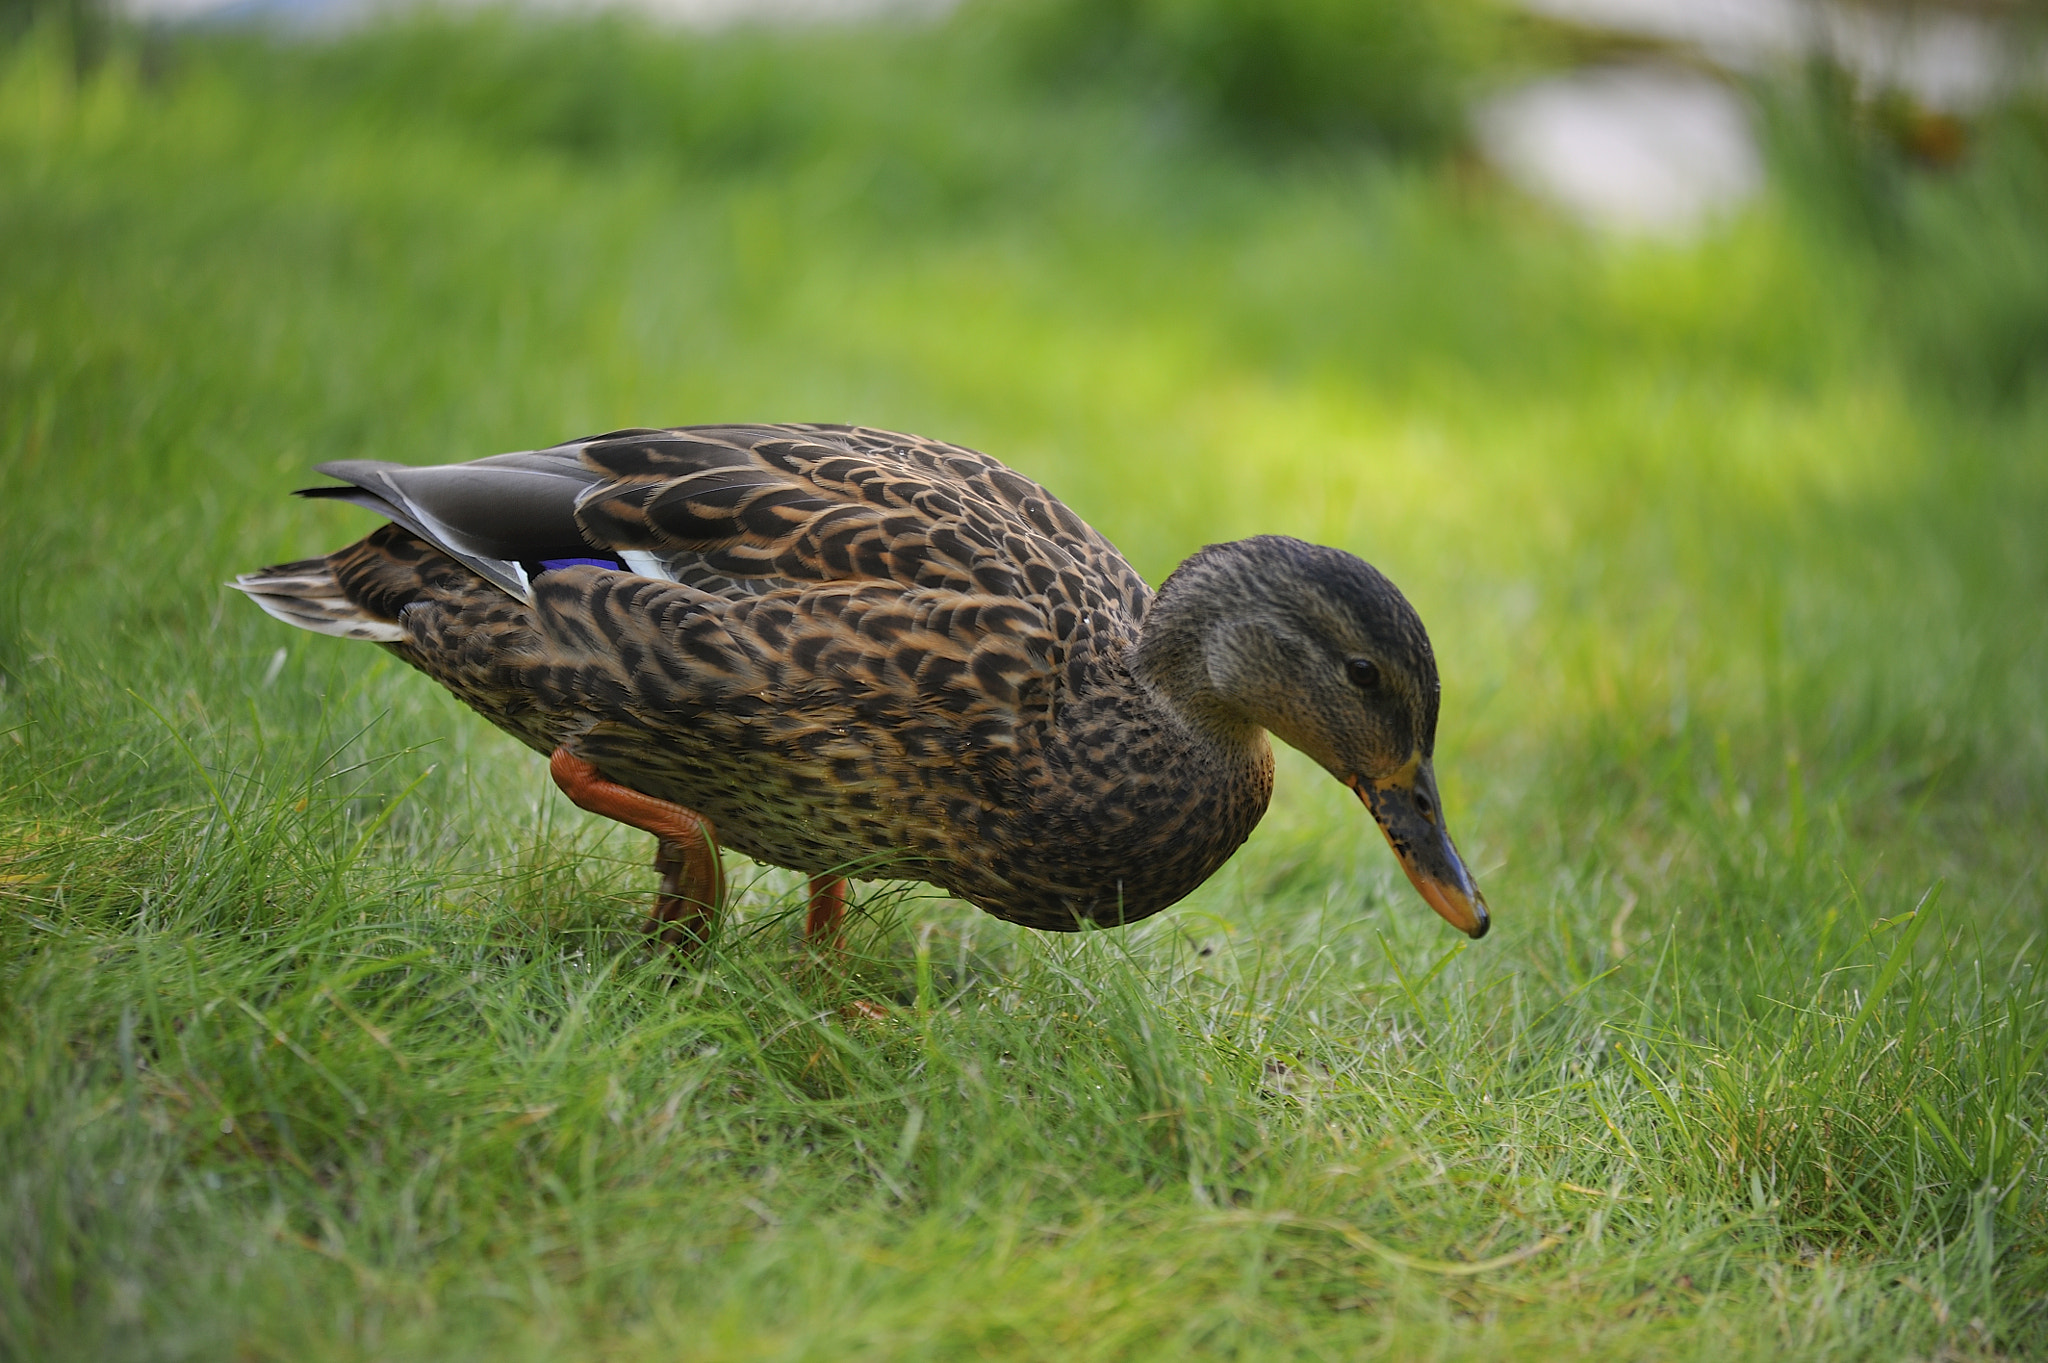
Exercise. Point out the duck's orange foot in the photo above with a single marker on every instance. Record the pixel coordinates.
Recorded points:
(684, 909)
(692, 880)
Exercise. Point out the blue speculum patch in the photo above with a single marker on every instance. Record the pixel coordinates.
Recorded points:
(549, 565)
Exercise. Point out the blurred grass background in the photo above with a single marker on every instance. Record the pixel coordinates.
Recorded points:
(324, 1030)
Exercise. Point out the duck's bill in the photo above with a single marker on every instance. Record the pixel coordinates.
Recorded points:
(1408, 811)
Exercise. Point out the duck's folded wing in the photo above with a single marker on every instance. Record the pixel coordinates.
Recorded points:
(739, 513)
(776, 506)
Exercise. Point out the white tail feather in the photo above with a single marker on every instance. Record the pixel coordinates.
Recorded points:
(314, 601)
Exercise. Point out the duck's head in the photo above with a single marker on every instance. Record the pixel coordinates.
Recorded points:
(1318, 648)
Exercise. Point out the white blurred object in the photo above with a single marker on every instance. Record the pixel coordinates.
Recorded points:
(1646, 150)
(1945, 58)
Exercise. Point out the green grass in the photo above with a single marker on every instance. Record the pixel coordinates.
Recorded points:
(324, 1030)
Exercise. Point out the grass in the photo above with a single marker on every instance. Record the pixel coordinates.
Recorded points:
(324, 1030)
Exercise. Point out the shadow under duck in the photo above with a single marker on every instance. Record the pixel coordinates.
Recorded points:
(844, 650)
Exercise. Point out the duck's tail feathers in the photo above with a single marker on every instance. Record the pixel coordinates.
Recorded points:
(306, 594)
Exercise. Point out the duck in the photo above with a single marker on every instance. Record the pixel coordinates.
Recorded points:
(860, 654)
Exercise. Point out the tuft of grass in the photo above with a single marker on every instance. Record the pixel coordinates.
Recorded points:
(325, 1030)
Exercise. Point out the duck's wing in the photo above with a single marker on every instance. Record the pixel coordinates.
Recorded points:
(787, 562)
(741, 510)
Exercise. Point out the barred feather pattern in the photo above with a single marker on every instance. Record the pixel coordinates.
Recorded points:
(878, 654)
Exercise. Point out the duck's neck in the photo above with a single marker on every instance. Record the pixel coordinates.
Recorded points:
(1198, 623)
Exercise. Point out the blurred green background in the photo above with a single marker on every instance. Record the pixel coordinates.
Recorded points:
(323, 1029)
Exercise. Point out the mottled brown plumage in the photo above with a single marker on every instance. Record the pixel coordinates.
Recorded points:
(866, 653)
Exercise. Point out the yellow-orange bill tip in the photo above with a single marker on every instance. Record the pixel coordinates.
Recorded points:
(1427, 855)
(1465, 913)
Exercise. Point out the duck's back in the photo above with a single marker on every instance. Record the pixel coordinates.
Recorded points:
(848, 648)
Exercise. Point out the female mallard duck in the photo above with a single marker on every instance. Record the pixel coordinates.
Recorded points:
(845, 650)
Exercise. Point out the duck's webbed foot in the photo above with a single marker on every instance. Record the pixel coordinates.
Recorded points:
(692, 888)
(692, 880)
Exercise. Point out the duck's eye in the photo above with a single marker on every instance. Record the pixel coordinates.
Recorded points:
(1364, 673)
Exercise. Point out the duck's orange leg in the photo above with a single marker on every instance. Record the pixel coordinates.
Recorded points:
(692, 880)
(822, 929)
(828, 912)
